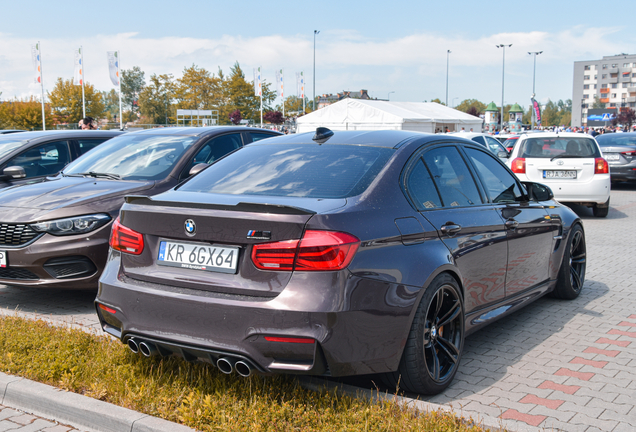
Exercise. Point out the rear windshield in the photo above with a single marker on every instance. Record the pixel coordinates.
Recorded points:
(616, 139)
(296, 170)
(560, 146)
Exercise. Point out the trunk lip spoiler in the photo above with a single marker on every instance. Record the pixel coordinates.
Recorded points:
(241, 206)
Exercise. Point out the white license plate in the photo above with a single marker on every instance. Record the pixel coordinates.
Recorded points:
(198, 256)
(3, 258)
(559, 174)
(611, 156)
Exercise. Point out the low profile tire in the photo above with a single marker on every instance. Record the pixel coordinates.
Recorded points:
(434, 346)
(601, 211)
(572, 272)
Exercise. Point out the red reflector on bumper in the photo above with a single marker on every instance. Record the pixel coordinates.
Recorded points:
(107, 309)
(288, 339)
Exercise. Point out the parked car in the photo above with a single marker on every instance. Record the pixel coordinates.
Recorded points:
(571, 164)
(55, 233)
(350, 253)
(509, 143)
(30, 156)
(486, 140)
(619, 150)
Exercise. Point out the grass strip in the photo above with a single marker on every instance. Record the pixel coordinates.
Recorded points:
(197, 395)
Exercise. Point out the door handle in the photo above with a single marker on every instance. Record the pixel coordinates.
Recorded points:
(511, 224)
(450, 229)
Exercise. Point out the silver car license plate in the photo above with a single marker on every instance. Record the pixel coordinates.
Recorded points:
(611, 156)
(559, 174)
(3, 258)
(198, 256)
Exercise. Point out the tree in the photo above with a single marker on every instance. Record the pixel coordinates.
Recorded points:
(24, 114)
(66, 102)
(111, 104)
(597, 104)
(625, 117)
(437, 100)
(132, 83)
(473, 111)
(294, 105)
(238, 93)
(157, 98)
(198, 89)
(468, 103)
(236, 117)
(550, 114)
(275, 117)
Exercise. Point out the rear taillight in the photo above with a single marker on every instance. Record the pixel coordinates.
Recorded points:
(316, 251)
(601, 166)
(518, 166)
(126, 240)
(629, 153)
(106, 308)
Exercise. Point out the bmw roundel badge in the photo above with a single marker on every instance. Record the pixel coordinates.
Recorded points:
(190, 227)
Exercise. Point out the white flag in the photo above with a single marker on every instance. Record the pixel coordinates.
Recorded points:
(257, 82)
(113, 66)
(37, 65)
(78, 72)
(302, 85)
(280, 87)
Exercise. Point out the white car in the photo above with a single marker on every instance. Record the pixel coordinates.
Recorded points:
(571, 164)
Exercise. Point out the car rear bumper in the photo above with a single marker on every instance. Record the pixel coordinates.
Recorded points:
(594, 191)
(68, 262)
(625, 172)
(359, 325)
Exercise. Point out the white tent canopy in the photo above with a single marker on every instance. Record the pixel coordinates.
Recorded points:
(359, 114)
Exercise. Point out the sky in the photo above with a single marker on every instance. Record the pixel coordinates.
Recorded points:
(395, 50)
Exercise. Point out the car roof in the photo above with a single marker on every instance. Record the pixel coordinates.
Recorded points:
(557, 134)
(608, 136)
(469, 134)
(378, 138)
(68, 134)
(199, 131)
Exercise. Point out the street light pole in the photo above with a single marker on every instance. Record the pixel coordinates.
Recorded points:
(503, 74)
(534, 73)
(447, 56)
(389, 95)
(315, 33)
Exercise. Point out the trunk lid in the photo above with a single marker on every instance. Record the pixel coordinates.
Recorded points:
(221, 221)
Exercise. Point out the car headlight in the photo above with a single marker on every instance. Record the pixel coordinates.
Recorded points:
(74, 225)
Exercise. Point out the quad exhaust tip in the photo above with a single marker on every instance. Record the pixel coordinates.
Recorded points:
(148, 349)
(132, 344)
(226, 365)
(243, 369)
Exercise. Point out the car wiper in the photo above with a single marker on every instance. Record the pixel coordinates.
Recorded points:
(567, 156)
(95, 174)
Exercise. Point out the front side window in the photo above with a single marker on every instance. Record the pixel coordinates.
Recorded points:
(43, 160)
(293, 170)
(500, 184)
(454, 181)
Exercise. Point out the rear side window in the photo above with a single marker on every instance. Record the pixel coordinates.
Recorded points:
(303, 170)
(89, 144)
(260, 136)
(452, 177)
(547, 148)
(421, 188)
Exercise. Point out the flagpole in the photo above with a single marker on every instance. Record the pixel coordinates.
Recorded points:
(82, 78)
(302, 87)
(121, 120)
(42, 88)
(282, 91)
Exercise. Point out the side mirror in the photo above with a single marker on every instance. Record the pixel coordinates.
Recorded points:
(503, 154)
(14, 172)
(198, 168)
(538, 191)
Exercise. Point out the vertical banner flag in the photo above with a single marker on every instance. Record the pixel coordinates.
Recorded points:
(302, 85)
(113, 67)
(280, 88)
(257, 81)
(35, 54)
(78, 73)
(537, 111)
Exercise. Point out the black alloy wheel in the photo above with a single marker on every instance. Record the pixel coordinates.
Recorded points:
(572, 272)
(434, 347)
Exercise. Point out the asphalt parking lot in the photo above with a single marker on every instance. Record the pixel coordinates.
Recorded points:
(556, 364)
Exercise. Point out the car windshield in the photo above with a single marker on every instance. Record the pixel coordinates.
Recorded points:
(7, 146)
(550, 147)
(302, 170)
(133, 157)
(612, 139)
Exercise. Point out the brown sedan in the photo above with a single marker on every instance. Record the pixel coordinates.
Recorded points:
(55, 233)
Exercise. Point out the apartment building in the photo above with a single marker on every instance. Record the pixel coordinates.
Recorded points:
(611, 80)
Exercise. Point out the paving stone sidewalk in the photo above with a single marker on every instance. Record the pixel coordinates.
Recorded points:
(18, 421)
(555, 365)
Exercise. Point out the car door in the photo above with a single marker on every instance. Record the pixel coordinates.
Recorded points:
(40, 160)
(529, 228)
(471, 229)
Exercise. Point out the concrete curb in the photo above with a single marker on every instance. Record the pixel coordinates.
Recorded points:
(488, 422)
(79, 411)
